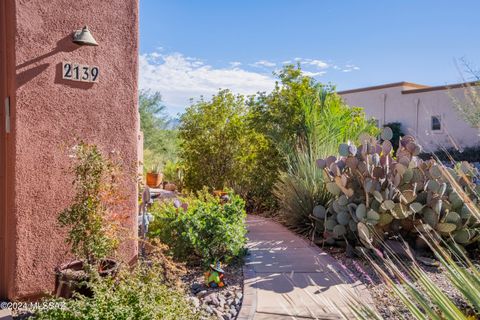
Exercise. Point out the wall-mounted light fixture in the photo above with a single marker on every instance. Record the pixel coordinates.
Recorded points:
(84, 37)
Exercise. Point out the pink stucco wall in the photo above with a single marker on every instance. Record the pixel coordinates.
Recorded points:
(51, 114)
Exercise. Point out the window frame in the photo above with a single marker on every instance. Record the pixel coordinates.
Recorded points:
(439, 118)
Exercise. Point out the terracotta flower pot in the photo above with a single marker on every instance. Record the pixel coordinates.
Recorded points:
(219, 193)
(154, 179)
(71, 277)
(170, 187)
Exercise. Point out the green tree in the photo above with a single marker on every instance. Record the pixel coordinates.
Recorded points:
(218, 148)
(279, 115)
(244, 144)
(302, 121)
(89, 233)
(159, 141)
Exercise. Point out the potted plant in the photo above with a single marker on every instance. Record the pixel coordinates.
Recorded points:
(90, 234)
(154, 176)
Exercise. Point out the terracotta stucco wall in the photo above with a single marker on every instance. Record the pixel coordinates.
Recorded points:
(391, 105)
(51, 114)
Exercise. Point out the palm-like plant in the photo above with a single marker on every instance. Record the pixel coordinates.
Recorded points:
(326, 122)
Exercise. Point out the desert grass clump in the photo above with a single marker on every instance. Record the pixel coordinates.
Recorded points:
(418, 293)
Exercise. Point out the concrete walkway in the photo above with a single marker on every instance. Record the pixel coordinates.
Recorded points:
(286, 278)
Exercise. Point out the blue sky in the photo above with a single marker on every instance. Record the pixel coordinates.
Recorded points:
(193, 48)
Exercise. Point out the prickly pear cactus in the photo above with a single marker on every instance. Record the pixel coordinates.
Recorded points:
(377, 192)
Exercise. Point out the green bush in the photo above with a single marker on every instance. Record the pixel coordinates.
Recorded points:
(173, 172)
(208, 230)
(298, 190)
(301, 116)
(324, 122)
(218, 148)
(89, 235)
(139, 295)
(160, 141)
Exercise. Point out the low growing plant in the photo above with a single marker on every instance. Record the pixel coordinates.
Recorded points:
(209, 229)
(140, 295)
(155, 167)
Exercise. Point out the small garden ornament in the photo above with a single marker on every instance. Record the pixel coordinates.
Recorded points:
(214, 277)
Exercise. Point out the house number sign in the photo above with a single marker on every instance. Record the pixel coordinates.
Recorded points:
(80, 72)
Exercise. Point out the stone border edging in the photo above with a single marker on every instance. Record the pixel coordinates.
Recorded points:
(249, 301)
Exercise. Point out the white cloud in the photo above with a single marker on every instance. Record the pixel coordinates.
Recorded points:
(179, 78)
(319, 64)
(235, 64)
(313, 74)
(350, 68)
(264, 63)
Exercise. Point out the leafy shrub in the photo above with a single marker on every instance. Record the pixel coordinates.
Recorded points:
(298, 190)
(300, 116)
(160, 140)
(139, 295)
(90, 235)
(209, 229)
(327, 121)
(218, 148)
(377, 194)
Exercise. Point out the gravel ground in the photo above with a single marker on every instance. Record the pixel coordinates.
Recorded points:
(217, 303)
(387, 305)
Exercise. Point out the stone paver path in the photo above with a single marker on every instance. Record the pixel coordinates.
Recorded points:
(287, 278)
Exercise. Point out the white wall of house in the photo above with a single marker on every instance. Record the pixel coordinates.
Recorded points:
(414, 106)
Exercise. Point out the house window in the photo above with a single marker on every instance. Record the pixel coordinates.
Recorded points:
(436, 123)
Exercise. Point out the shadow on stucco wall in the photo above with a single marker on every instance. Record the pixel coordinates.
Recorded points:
(23, 76)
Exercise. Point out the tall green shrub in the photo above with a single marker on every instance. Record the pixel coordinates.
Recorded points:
(323, 121)
(301, 119)
(86, 218)
(397, 133)
(218, 148)
(160, 142)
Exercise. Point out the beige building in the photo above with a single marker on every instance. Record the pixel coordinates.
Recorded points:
(423, 111)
